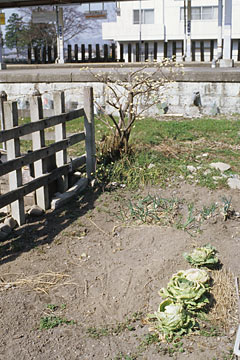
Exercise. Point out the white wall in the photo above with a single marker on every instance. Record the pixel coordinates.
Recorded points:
(125, 30)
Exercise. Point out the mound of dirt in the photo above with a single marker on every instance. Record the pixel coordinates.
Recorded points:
(95, 270)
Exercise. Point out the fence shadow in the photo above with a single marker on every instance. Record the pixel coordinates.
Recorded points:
(43, 230)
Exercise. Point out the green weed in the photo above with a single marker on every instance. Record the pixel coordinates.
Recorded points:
(208, 211)
(49, 322)
(153, 209)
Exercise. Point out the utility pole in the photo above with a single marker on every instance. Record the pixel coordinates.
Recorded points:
(227, 47)
(219, 40)
(60, 41)
(185, 30)
(2, 65)
(189, 18)
(140, 30)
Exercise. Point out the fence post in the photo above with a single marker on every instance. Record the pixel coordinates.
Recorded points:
(13, 151)
(38, 141)
(76, 52)
(113, 52)
(29, 53)
(137, 52)
(69, 58)
(89, 132)
(105, 52)
(83, 52)
(49, 51)
(3, 97)
(44, 55)
(60, 134)
(97, 53)
(89, 52)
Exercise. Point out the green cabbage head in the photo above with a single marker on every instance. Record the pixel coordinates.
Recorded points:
(195, 275)
(171, 319)
(203, 256)
(192, 294)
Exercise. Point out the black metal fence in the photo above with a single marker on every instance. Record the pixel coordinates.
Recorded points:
(73, 54)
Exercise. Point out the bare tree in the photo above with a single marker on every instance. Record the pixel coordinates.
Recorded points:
(74, 24)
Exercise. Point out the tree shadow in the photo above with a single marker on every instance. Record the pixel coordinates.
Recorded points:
(43, 230)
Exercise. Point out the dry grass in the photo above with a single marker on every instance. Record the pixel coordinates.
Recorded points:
(40, 283)
(224, 312)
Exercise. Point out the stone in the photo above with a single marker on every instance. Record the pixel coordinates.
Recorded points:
(10, 221)
(61, 199)
(191, 168)
(35, 210)
(3, 235)
(207, 172)
(226, 63)
(234, 183)
(5, 228)
(214, 110)
(220, 166)
(150, 166)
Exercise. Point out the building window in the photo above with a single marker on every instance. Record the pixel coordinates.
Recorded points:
(147, 16)
(201, 12)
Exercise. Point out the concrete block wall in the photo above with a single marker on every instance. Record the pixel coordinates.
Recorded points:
(179, 95)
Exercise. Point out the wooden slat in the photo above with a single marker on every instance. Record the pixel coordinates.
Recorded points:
(13, 150)
(41, 181)
(41, 153)
(33, 185)
(39, 125)
(38, 142)
(90, 132)
(60, 134)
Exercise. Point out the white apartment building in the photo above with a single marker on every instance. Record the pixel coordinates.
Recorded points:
(162, 30)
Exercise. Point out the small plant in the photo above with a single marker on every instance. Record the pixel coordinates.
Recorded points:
(192, 294)
(97, 333)
(50, 322)
(203, 256)
(153, 209)
(226, 210)
(171, 320)
(208, 212)
(52, 307)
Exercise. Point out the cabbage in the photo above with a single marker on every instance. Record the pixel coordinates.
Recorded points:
(190, 293)
(195, 275)
(171, 318)
(202, 256)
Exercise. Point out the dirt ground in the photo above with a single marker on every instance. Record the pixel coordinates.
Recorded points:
(101, 272)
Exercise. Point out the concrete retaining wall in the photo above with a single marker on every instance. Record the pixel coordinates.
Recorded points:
(218, 88)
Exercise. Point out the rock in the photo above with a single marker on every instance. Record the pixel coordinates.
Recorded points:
(191, 168)
(214, 109)
(235, 176)
(61, 199)
(35, 210)
(5, 228)
(10, 222)
(207, 172)
(220, 166)
(150, 166)
(3, 235)
(234, 183)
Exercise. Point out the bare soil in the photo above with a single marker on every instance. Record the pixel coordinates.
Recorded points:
(104, 273)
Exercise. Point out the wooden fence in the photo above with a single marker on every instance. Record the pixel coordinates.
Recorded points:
(42, 155)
